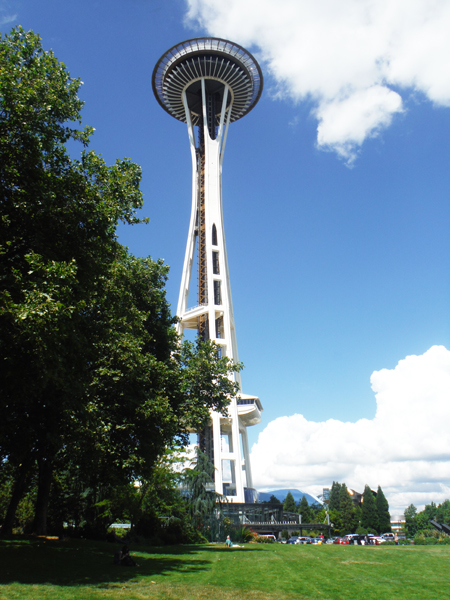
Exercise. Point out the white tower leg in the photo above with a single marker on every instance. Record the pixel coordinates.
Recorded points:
(231, 468)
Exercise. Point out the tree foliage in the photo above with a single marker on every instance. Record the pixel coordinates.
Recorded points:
(347, 511)
(289, 504)
(305, 511)
(334, 501)
(369, 514)
(384, 517)
(57, 230)
(273, 500)
(203, 505)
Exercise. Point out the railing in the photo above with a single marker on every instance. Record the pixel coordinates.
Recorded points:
(272, 522)
(194, 308)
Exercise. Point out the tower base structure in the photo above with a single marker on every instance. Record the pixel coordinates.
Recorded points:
(209, 83)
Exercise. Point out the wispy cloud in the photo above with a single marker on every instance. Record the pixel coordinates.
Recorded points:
(7, 19)
(4, 20)
(405, 448)
(356, 60)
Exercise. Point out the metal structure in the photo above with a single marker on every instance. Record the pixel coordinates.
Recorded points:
(208, 83)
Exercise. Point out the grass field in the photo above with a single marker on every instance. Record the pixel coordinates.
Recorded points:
(81, 570)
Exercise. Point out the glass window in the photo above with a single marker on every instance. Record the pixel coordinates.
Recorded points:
(216, 269)
(217, 293)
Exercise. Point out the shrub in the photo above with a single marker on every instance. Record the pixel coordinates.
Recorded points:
(264, 540)
(242, 534)
(421, 540)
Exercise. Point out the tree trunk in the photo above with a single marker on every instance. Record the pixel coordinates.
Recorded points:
(20, 487)
(43, 496)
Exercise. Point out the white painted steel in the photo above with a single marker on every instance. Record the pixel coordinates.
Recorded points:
(241, 78)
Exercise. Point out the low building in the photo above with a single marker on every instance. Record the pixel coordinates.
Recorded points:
(397, 522)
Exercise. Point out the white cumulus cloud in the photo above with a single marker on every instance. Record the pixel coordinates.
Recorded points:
(405, 448)
(355, 60)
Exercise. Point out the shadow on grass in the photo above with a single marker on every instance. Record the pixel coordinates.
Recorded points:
(82, 562)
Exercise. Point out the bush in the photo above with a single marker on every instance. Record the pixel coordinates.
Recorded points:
(421, 540)
(263, 540)
(242, 534)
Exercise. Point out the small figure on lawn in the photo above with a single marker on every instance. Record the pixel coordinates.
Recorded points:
(122, 557)
(229, 543)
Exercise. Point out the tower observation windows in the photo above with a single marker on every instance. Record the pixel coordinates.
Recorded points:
(216, 269)
(214, 235)
(217, 293)
(219, 328)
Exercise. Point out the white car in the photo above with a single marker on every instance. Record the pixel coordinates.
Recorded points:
(375, 539)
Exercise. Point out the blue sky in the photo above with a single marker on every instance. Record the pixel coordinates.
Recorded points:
(336, 207)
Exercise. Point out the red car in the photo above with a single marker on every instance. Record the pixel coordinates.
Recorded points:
(340, 540)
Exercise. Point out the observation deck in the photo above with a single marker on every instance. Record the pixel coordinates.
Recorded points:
(249, 409)
(220, 63)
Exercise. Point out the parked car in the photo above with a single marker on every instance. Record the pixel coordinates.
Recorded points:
(350, 537)
(292, 540)
(360, 540)
(377, 539)
(330, 540)
(304, 540)
(341, 540)
(389, 537)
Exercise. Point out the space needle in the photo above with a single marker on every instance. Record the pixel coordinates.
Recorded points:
(209, 83)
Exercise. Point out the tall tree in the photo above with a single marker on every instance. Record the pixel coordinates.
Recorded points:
(411, 520)
(289, 503)
(384, 517)
(334, 500)
(58, 240)
(346, 510)
(369, 514)
(274, 500)
(201, 502)
(305, 511)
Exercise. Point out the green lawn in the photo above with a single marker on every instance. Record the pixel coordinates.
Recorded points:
(82, 570)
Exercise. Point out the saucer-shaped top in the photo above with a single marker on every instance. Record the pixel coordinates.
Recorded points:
(220, 63)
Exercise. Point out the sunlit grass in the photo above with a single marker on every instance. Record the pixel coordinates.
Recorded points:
(82, 570)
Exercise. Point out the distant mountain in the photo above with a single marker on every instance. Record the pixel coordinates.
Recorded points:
(281, 495)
